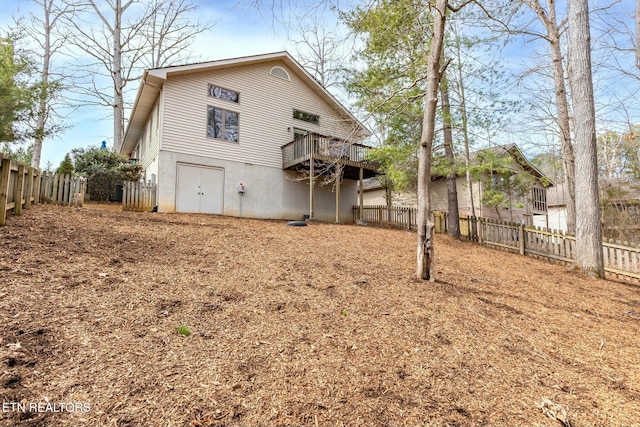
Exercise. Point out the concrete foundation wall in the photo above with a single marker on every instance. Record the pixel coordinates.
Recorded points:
(270, 193)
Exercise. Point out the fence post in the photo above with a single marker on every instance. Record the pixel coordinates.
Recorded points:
(18, 190)
(27, 201)
(521, 239)
(44, 184)
(37, 181)
(408, 215)
(5, 173)
(480, 231)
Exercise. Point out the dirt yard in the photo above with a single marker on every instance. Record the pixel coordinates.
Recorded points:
(320, 326)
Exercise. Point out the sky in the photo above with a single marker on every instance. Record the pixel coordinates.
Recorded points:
(239, 30)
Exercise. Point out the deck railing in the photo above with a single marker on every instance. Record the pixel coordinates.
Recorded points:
(325, 148)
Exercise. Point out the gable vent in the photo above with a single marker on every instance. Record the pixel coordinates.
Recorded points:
(280, 73)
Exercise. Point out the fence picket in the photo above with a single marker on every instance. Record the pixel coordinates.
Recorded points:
(619, 258)
(22, 186)
(138, 196)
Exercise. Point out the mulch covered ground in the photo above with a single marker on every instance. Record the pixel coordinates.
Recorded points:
(321, 326)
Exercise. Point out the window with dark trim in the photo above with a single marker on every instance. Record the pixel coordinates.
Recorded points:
(307, 117)
(222, 124)
(225, 94)
(539, 199)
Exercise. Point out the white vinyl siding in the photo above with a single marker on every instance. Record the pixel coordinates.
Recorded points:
(265, 113)
(149, 142)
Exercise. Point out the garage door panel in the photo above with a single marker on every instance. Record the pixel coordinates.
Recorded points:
(187, 189)
(212, 188)
(199, 189)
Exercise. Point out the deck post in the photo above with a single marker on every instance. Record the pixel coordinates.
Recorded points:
(311, 182)
(338, 179)
(360, 208)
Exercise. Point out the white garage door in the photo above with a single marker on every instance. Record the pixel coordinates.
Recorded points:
(199, 189)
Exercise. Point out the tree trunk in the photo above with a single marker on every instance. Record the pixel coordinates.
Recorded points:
(118, 102)
(41, 120)
(638, 34)
(562, 105)
(589, 256)
(549, 20)
(43, 93)
(453, 223)
(424, 269)
(465, 133)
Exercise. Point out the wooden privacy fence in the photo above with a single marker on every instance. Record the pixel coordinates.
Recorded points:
(22, 185)
(395, 216)
(67, 190)
(138, 196)
(18, 187)
(619, 258)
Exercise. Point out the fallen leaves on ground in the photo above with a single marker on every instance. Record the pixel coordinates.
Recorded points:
(320, 325)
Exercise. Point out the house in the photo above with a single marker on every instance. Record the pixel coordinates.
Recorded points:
(556, 219)
(254, 136)
(619, 208)
(528, 204)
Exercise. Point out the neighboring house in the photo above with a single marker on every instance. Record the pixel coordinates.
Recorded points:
(235, 137)
(530, 208)
(556, 218)
(620, 208)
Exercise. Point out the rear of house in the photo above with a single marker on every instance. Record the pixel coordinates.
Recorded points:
(210, 136)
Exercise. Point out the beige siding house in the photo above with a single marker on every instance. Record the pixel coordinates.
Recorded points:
(236, 137)
(531, 209)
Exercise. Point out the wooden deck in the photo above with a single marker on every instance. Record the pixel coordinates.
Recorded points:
(327, 151)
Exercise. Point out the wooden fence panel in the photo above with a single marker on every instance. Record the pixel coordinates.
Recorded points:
(66, 190)
(395, 216)
(18, 186)
(138, 196)
(619, 258)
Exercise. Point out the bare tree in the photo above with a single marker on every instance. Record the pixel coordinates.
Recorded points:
(589, 256)
(320, 51)
(170, 32)
(637, 34)
(425, 251)
(552, 35)
(130, 36)
(453, 223)
(42, 30)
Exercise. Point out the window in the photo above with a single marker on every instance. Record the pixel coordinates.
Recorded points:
(539, 199)
(222, 124)
(280, 72)
(226, 94)
(307, 117)
(298, 133)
